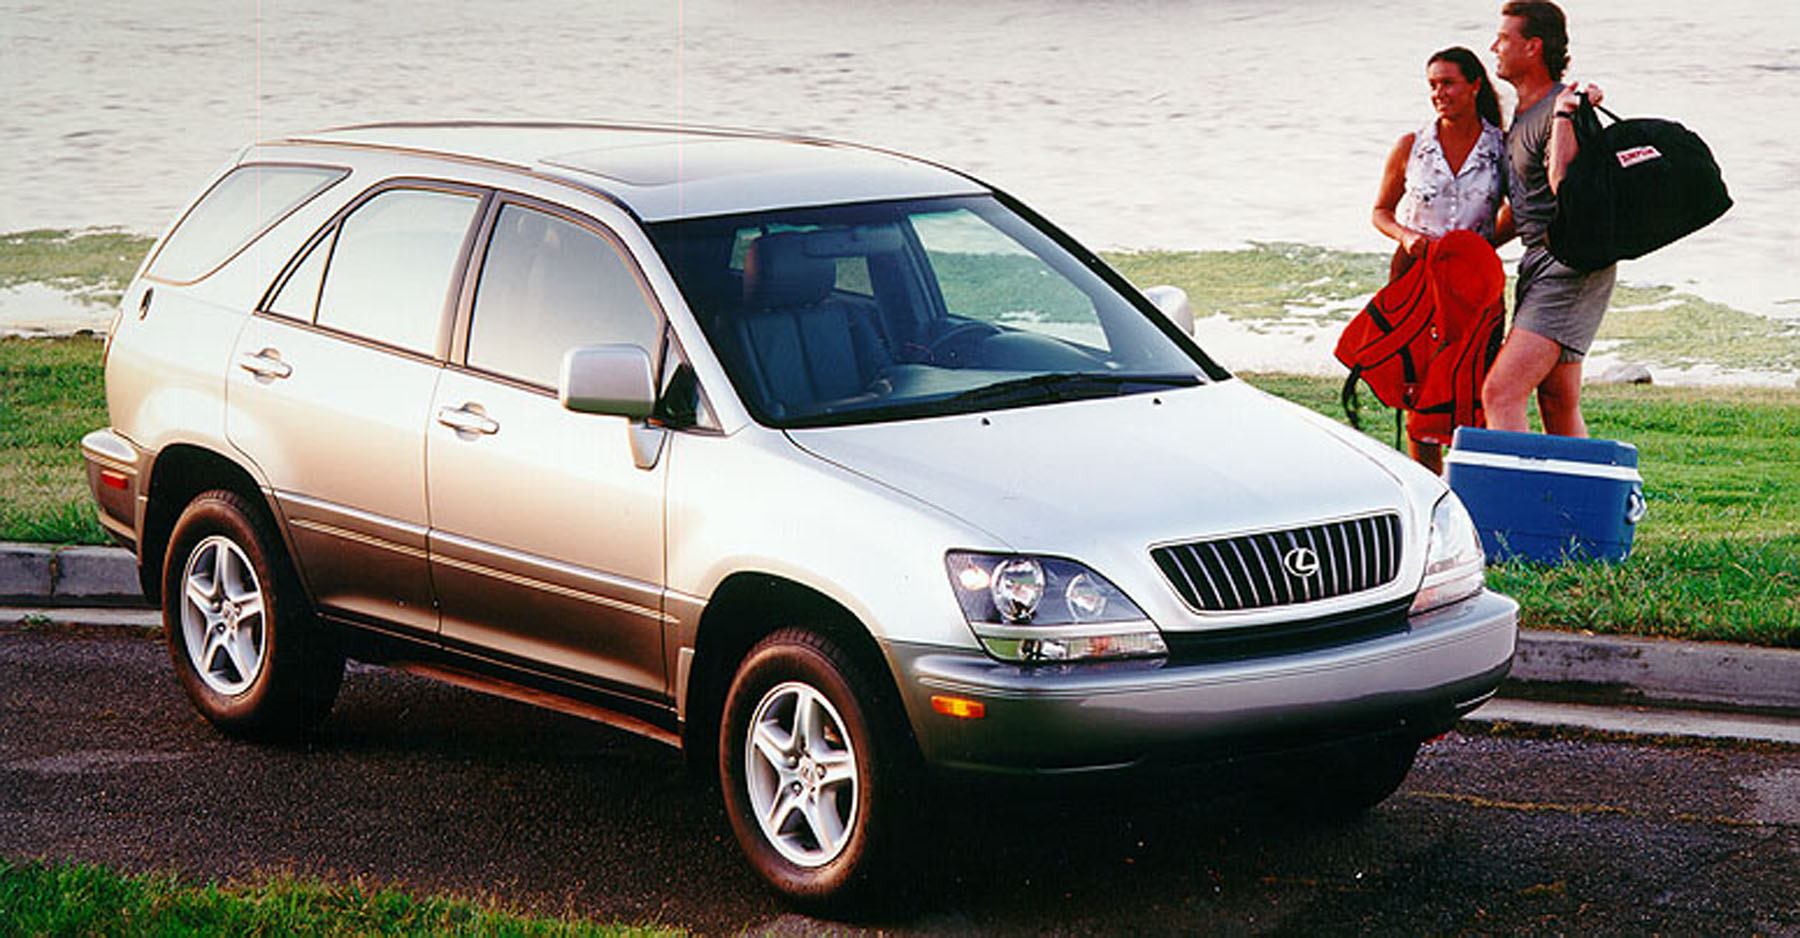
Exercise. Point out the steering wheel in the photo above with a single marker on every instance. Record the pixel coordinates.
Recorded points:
(960, 332)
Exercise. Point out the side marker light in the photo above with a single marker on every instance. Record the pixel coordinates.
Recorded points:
(959, 707)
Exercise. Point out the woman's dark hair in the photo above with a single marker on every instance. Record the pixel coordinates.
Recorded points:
(1544, 21)
(1487, 103)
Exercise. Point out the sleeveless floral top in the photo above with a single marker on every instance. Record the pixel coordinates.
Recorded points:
(1438, 200)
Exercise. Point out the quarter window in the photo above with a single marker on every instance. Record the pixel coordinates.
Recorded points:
(233, 213)
(390, 274)
(549, 285)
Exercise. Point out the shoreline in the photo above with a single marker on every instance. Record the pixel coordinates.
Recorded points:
(1288, 348)
(1275, 307)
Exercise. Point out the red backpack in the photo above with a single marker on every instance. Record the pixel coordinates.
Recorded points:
(1425, 341)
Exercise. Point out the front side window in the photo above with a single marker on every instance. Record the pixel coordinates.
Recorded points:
(549, 285)
(894, 310)
(233, 213)
(390, 273)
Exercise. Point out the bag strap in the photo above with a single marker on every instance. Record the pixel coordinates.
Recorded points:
(1353, 404)
(1347, 397)
(1587, 123)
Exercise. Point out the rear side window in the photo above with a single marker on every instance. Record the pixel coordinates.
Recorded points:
(231, 214)
(549, 285)
(389, 274)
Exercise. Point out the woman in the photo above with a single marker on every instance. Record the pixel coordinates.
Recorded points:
(1449, 175)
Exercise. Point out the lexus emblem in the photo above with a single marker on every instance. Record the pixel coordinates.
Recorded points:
(1301, 562)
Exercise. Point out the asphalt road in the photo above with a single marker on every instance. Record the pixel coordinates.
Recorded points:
(441, 789)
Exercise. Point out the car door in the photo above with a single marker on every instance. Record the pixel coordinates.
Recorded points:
(547, 535)
(329, 396)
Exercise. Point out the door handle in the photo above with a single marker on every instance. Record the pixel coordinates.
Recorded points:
(266, 364)
(469, 418)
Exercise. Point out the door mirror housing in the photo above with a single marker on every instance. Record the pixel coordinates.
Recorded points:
(618, 380)
(1173, 303)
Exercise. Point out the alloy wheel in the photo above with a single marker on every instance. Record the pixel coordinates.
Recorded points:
(223, 616)
(800, 770)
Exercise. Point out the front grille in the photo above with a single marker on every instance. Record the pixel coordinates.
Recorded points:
(1253, 571)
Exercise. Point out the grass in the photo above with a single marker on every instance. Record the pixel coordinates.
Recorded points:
(1660, 325)
(51, 394)
(1718, 555)
(1292, 285)
(1270, 282)
(80, 899)
(94, 265)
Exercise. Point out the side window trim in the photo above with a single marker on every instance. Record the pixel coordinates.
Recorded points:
(458, 280)
(343, 172)
(482, 242)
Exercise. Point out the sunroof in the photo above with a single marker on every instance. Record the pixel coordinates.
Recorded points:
(670, 161)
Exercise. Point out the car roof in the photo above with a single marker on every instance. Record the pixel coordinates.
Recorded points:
(664, 172)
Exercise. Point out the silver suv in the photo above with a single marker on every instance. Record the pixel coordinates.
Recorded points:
(839, 470)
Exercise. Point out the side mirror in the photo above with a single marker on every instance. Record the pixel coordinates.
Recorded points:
(1173, 303)
(608, 379)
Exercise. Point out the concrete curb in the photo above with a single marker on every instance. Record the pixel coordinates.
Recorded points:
(1550, 666)
(1612, 669)
(36, 575)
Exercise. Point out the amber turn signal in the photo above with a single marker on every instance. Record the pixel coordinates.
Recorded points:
(959, 707)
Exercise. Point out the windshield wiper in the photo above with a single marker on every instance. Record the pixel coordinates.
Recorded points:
(1069, 386)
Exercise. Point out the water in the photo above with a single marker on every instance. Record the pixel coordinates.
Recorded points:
(1134, 123)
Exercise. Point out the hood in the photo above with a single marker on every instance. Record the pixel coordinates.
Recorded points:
(1086, 478)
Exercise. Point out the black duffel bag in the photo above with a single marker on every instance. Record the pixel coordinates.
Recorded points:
(1634, 186)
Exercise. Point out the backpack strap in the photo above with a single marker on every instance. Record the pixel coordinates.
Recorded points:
(1348, 400)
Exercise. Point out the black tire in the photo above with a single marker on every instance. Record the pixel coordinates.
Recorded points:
(1346, 780)
(244, 643)
(788, 670)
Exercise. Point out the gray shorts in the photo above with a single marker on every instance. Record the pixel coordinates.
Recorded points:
(1560, 303)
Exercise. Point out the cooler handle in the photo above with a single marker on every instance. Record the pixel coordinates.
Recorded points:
(1635, 506)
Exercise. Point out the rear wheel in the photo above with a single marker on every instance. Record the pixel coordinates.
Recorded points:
(246, 648)
(811, 774)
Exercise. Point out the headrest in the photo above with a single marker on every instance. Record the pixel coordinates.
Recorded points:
(779, 273)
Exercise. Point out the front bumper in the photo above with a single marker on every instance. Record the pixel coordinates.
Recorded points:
(1074, 718)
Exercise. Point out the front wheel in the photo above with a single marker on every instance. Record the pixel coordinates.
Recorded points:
(246, 648)
(810, 772)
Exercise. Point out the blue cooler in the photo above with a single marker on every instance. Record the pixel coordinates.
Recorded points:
(1547, 498)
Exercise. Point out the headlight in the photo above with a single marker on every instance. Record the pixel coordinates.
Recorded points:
(1454, 566)
(1048, 609)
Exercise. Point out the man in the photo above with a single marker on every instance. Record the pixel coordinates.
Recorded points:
(1557, 309)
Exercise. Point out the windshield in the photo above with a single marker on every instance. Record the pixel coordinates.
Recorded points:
(883, 311)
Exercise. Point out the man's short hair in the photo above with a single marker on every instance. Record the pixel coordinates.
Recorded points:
(1544, 21)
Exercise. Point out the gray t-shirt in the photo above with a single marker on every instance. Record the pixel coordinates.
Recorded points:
(1527, 152)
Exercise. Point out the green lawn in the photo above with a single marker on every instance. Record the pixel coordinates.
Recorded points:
(51, 394)
(1718, 555)
(78, 899)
